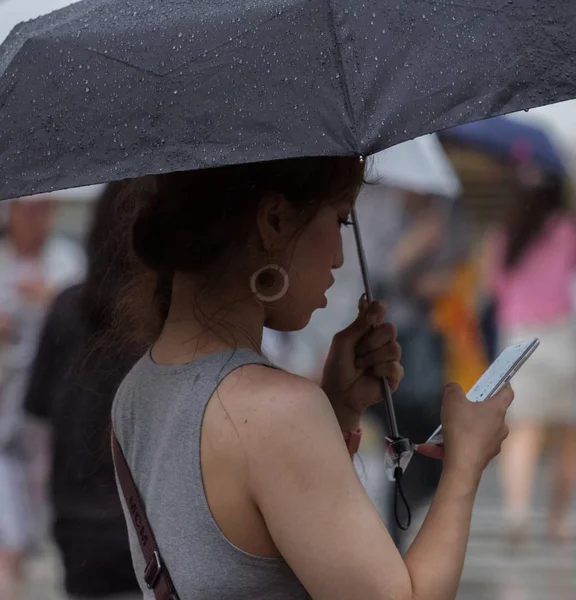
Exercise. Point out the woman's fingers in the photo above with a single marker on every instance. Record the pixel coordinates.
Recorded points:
(378, 354)
(504, 398)
(430, 450)
(388, 353)
(377, 338)
(383, 362)
(392, 371)
(375, 312)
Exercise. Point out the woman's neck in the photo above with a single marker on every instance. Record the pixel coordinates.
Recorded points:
(203, 323)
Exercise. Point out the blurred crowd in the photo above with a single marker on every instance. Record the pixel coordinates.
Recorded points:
(457, 294)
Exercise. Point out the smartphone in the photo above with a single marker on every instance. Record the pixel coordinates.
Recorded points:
(498, 374)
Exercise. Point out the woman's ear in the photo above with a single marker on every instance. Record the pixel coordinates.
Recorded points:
(276, 221)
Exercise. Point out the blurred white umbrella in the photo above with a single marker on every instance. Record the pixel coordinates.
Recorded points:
(89, 192)
(420, 165)
(81, 194)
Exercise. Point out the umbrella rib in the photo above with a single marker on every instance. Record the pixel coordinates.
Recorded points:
(186, 62)
(467, 6)
(343, 79)
(137, 67)
(124, 62)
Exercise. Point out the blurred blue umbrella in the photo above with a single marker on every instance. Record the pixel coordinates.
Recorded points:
(510, 140)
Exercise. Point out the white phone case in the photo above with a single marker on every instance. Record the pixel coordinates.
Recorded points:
(498, 374)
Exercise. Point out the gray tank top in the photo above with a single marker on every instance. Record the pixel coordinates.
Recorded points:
(157, 416)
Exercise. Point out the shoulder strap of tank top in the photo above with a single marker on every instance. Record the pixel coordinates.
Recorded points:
(156, 575)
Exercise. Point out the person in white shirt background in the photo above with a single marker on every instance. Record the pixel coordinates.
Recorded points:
(35, 265)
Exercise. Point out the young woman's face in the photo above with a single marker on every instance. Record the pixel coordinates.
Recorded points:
(314, 254)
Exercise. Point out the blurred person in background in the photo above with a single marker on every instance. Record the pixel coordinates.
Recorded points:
(528, 266)
(34, 266)
(74, 378)
(455, 308)
(414, 236)
(411, 249)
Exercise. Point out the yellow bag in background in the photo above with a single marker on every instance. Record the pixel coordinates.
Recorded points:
(454, 316)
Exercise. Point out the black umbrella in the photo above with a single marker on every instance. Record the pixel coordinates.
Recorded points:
(110, 89)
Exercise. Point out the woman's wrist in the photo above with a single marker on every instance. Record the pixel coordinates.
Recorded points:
(349, 420)
(461, 476)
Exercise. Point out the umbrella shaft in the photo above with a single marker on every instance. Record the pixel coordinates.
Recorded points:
(384, 385)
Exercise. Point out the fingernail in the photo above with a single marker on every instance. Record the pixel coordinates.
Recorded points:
(375, 316)
(373, 319)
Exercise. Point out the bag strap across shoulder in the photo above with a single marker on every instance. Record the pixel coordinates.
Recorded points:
(156, 575)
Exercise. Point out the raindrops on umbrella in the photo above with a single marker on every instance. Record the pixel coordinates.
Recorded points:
(109, 89)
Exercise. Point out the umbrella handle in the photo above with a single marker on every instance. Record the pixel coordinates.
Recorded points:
(385, 386)
(399, 450)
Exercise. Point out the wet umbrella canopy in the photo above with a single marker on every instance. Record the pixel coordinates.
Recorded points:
(109, 89)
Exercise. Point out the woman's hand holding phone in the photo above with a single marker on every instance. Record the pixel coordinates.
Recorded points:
(473, 431)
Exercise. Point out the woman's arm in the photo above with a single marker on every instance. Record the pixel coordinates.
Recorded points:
(317, 511)
(436, 558)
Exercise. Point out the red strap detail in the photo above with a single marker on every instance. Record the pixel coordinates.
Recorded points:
(156, 574)
(352, 439)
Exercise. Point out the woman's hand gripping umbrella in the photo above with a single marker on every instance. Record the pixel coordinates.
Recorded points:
(359, 356)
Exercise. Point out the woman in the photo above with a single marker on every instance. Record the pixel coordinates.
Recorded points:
(528, 269)
(243, 468)
(71, 391)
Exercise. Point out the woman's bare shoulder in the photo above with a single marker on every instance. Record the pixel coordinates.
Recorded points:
(262, 393)
(273, 413)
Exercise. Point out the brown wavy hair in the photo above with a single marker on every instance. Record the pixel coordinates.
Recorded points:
(195, 221)
(529, 214)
